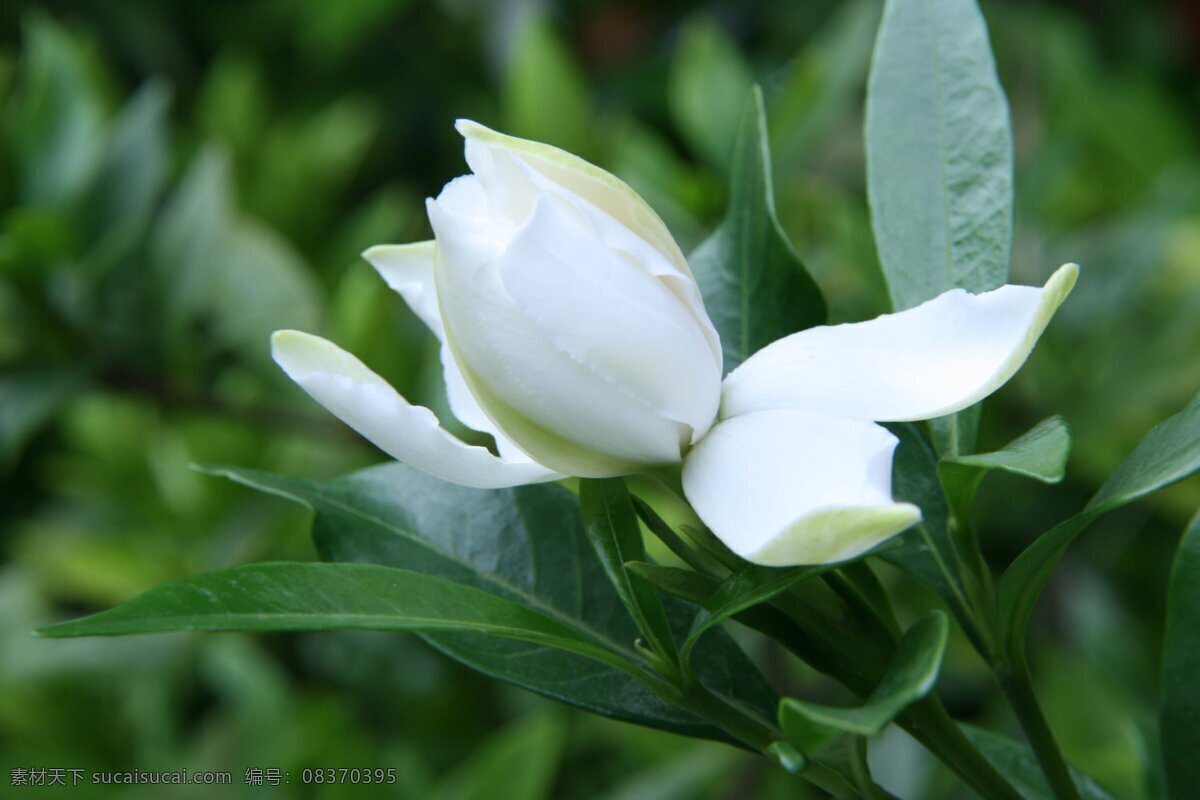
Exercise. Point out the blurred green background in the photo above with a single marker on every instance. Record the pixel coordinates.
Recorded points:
(179, 179)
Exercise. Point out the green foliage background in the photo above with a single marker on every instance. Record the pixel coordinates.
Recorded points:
(179, 179)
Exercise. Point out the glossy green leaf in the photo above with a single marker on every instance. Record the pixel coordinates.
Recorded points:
(910, 676)
(1179, 714)
(939, 152)
(742, 590)
(1017, 763)
(1040, 453)
(755, 287)
(683, 583)
(526, 545)
(1168, 453)
(286, 596)
(611, 525)
(709, 81)
(541, 75)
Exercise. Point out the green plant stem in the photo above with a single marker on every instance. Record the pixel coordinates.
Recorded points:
(1012, 672)
(931, 724)
(862, 770)
(1018, 688)
(927, 721)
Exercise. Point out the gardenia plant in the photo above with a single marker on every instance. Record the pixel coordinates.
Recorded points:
(573, 331)
(577, 335)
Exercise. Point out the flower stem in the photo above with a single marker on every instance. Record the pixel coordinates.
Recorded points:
(929, 723)
(1017, 684)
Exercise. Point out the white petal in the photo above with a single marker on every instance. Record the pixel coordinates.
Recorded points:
(790, 487)
(598, 306)
(408, 269)
(369, 405)
(587, 180)
(560, 412)
(515, 171)
(935, 359)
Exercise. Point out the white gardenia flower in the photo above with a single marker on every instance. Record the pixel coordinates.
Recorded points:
(573, 332)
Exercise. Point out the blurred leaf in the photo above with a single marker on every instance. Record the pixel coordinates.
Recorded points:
(910, 676)
(1168, 453)
(332, 30)
(939, 152)
(678, 192)
(693, 773)
(709, 82)
(820, 86)
(1040, 453)
(131, 175)
(233, 103)
(545, 97)
(261, 285)
(294, 177)
(56, 119)
(1180, 708)
(1017, 763)
(29, 400)
(526, 545)
(522, 758)
(756, 289)
(186, 242)
(34, 238)
(611, 526)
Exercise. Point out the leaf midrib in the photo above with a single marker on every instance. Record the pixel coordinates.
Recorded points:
(532, 600)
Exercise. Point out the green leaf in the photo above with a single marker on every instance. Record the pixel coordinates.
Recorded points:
(910, 676)
(1179, 714)
(1040, 453)
(318, 597)
(956, 434)
(740, 591)
(526, 545)
(541, 75)
(612, 527)
(683, 583)
(756, 289)
(939, 152)
(1168, 453)
(927, 551)
(708, 84)
(1018, 764)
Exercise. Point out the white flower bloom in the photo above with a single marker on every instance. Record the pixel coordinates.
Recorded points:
(573, 332)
